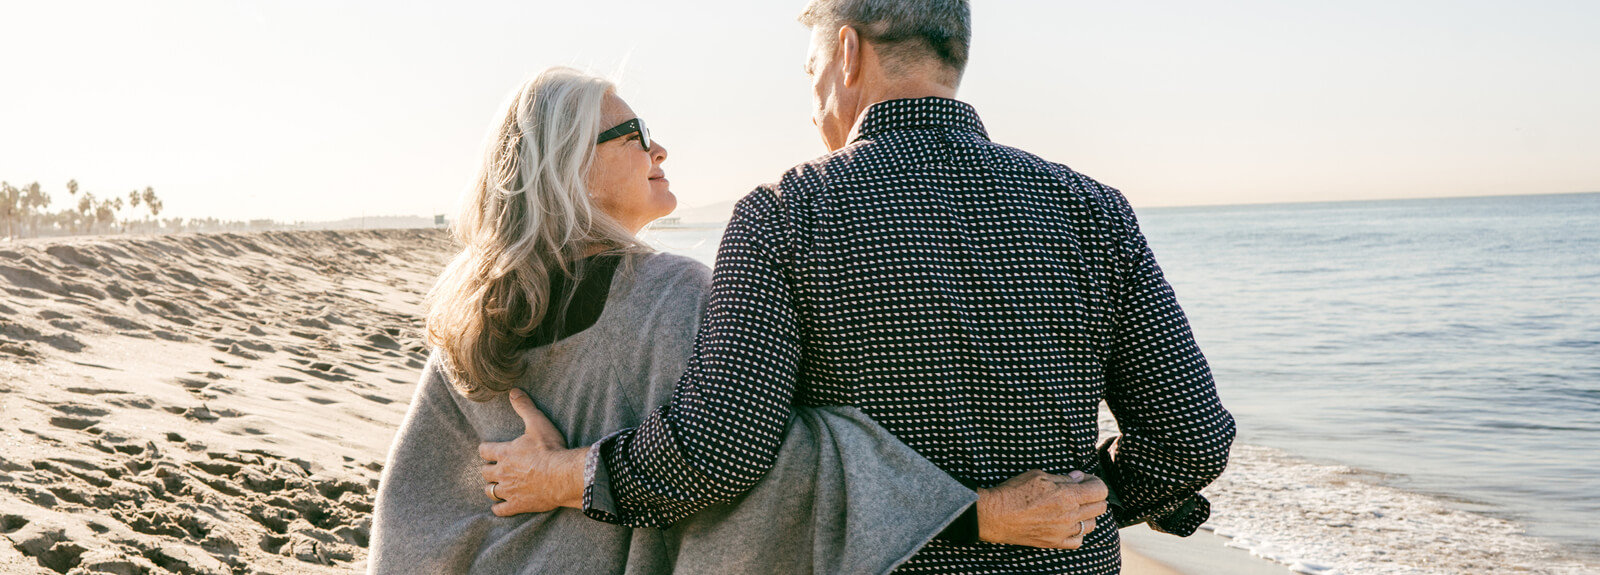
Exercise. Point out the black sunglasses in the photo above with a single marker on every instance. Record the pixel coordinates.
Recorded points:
(625, 128)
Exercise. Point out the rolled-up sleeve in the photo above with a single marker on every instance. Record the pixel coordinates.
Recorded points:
(1176, 434)
(725, 424)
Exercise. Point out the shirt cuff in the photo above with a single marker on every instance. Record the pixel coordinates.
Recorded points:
(1180, 518)
(1184, 520)
(598, 502)
(964, 530)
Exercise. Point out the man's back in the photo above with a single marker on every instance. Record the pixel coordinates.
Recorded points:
(976, 301)
(960, 292)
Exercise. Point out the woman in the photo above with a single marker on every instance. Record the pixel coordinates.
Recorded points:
(553, 296)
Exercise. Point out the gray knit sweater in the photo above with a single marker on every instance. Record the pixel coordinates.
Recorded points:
(844, 497)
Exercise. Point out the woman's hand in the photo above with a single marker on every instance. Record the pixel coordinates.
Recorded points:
(1040, 509)
(536, 472)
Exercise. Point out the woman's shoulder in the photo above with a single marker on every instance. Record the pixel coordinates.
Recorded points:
(664, 271)
(665, 293)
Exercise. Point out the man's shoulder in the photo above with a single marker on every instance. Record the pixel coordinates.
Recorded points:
(798, 185)
(815, 174)
(1089, 190)
(810, 181)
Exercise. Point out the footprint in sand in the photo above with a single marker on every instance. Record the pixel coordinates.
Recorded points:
(362, 367)
(192, 384)
(207, 414)
(73, 255)
(77, 417)
(170, 336)
(378, 399)
(31, 280)
(118, 292)
(383, 341)
(80, 409)
(133, 401)
(313, 323)
(331, 374)
(95, 391)
(67, 325)
(20, 335)
(122, 323)
(305, 334)
(73, 423)
(11, 523)
(243, 344)
(50, 546)
(239, 351)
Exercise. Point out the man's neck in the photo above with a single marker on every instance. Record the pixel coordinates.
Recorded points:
(905, 90)
(911, 89)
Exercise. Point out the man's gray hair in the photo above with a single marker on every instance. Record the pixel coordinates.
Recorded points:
(903, 31)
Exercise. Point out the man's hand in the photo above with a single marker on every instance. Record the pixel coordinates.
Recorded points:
(1039, 509)
(536, 472)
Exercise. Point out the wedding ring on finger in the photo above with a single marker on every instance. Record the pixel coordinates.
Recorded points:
(495, 497)
(1081, 529)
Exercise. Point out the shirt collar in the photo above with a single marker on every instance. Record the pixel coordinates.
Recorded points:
(921, 113)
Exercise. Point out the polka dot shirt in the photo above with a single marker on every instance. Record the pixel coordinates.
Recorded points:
(975, 300)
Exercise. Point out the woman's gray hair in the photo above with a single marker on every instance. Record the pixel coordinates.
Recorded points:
(903, 31)
(528, 214)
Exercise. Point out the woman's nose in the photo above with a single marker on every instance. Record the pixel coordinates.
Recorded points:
(658, 152)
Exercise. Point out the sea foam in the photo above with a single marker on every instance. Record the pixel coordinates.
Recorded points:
(1334, 520)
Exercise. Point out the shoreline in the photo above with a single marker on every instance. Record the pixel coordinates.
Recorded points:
(1273, 510)
(1321, 519)
(1135, 564)
(1147, 552)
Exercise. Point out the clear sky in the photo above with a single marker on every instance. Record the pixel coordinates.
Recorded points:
(319, 110)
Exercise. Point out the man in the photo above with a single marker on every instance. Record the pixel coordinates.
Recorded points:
(975, 300)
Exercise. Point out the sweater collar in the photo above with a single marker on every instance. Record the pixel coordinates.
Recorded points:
(920, 113)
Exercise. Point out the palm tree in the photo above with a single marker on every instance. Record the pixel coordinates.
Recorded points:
(152, 202)
(86, 210)
(106, 212)
(72, 192)
(10, 201)
(33, 204)
(133, 200)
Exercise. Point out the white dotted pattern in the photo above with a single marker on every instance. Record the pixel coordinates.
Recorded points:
(974, 299)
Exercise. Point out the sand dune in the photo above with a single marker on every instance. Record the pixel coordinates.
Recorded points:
(204, 403)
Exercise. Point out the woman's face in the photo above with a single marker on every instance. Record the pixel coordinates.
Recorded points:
(627, 181)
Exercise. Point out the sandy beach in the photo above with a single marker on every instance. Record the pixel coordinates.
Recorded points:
(223, 403)
(203, 404)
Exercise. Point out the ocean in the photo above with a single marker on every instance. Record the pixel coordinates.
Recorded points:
(1449, 348)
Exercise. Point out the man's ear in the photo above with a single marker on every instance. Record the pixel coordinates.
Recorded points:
(850, 55)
